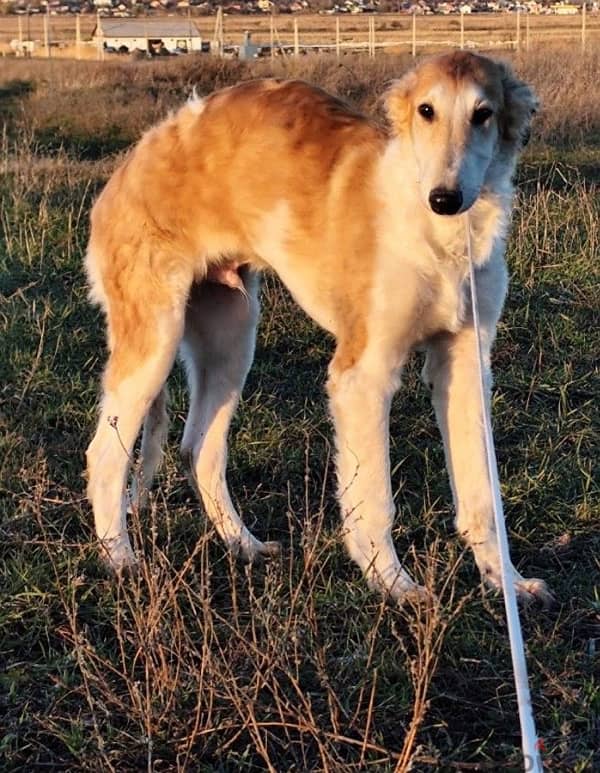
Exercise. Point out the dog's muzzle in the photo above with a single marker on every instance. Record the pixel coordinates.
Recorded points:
(445, 202)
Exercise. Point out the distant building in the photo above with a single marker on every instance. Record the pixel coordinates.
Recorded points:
(564, 9)
(154, 36)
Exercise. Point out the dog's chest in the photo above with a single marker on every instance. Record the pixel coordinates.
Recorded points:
(422, 288)
(445, 286)
(442, 266)
(444, 296)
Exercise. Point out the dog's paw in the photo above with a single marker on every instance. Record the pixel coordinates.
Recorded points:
(402, 589)
(527, 590)
(417, 596)
(118, 555)
(251, 550)
(532, 590)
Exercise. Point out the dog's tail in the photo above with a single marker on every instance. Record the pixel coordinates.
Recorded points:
(154, 435)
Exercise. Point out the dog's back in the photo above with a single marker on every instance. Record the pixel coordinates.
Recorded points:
(232, 156)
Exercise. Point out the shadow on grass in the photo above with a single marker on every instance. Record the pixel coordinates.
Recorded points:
(79, 144)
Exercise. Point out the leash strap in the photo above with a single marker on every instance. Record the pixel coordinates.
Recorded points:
(529, 740)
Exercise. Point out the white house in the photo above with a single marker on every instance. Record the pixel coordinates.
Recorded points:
(155, 36)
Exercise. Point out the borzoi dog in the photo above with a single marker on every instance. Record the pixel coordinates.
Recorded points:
(364, 226)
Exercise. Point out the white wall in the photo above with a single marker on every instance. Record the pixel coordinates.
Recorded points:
(193, 44)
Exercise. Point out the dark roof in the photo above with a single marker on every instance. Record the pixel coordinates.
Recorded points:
(152, 28)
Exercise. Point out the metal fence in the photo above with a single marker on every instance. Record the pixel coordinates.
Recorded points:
(285, 35)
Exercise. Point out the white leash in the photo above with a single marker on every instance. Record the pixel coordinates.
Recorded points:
(529, 740)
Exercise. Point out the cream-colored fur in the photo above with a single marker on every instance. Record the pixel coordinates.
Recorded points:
(366, 229)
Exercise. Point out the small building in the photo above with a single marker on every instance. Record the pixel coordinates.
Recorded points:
(154, 36)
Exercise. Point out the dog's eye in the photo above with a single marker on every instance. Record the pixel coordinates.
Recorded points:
(481, 115)
(426, 111)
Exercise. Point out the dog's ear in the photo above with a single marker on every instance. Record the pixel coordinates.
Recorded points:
(520, 105)
(398, 105)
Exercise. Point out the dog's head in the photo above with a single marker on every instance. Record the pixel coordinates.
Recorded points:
(461, 113)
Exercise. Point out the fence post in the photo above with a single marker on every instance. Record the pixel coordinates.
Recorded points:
(462, 28)
(101, 37)
(518, 40)
(47, 31)
(296, 38)
(337, 36)
(583, 20)
(219, 35)
(272, 35)
(414, 34)
(374, 45)
(372, 37)
(527, 32)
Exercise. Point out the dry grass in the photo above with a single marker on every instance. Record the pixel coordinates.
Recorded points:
(63, 106)
(197, 663)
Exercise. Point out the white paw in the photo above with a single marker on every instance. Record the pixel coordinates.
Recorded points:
(251, 550)
(118, 554)
(532, 589)
(527, 590)
(418, 595)
(399, 586)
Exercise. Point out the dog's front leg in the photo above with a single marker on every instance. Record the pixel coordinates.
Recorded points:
(451, 371)
(360, 397)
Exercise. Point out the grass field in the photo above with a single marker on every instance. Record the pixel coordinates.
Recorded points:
(198, 663)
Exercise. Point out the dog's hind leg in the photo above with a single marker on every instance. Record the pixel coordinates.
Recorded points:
(359, 398)
(144, 341)
(154, 435)
(218, 349)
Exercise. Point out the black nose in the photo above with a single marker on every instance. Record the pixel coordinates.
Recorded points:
(445, 202)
